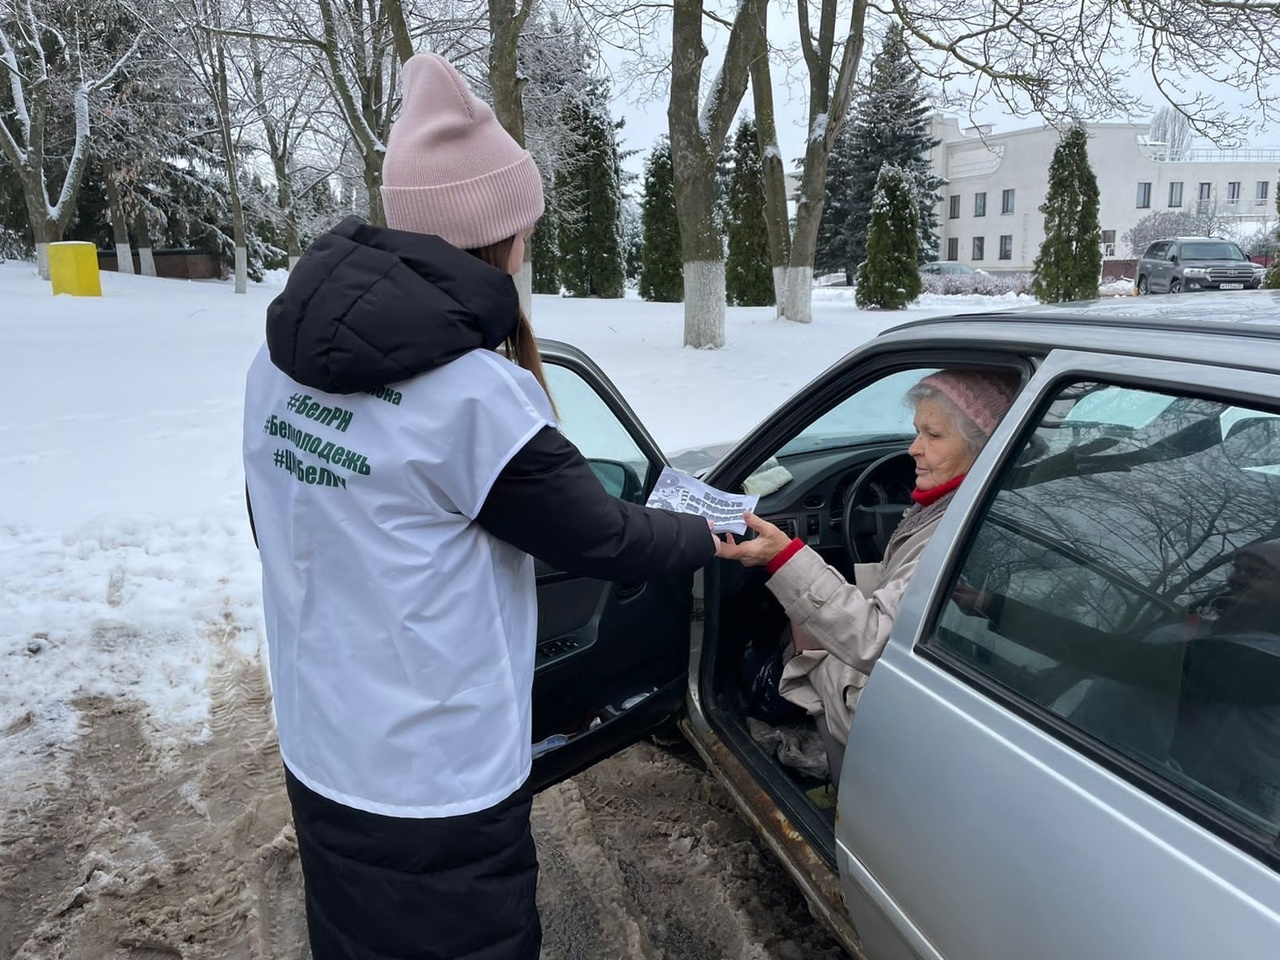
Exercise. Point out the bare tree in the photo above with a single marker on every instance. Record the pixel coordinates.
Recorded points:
(832, 67)
(207, 32)
(1171, 134)
(56, 63)
(698, 130)
(772, 168)
(283, 101)
(1207, 219)
(1046, 59)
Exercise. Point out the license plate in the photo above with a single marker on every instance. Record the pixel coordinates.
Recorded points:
(1231, 286)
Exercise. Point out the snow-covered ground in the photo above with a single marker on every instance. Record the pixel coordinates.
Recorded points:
(128, 578)
(123, 498)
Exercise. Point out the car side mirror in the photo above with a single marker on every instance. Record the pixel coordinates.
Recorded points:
(1253, 442)
(1173, 258)
(619, 479)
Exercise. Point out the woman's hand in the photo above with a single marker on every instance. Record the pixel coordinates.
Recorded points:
(767, 544)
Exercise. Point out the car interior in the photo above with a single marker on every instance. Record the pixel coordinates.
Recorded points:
(841, 484)
(843, 491)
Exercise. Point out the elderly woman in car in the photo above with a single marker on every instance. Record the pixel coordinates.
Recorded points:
(839, 629)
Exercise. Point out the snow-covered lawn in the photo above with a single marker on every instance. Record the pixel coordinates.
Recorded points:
(128, 578)
(123, 505)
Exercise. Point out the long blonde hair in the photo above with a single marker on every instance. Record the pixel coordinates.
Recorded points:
(522, 346)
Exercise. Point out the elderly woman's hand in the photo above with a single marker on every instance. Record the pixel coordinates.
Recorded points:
(767, 544)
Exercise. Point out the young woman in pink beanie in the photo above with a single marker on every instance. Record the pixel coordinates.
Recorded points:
(404, 467)
(839, 629)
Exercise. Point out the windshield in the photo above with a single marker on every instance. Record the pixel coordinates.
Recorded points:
(879, 410)
(1220, 250)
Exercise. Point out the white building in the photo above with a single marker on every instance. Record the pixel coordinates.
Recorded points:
(990, 213)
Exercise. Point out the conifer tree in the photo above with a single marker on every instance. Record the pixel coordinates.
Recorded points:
(890, 123)
(834, 251)
(889, 278)
(1070, 259)
(748, 276)
(589, 187)
(661, 266)
(546, 250)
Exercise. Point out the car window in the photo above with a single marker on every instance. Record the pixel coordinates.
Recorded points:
(1125, 580)
(878, 411)
(1211, 250)
(586, 420)
(1156, 251)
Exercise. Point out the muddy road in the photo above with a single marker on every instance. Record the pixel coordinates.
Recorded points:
(122, 850)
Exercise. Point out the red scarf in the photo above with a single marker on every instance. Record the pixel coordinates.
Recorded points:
(934, 494)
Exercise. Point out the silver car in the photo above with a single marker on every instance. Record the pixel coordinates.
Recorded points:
(1085, 764)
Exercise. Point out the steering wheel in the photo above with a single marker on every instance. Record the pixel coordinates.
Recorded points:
(873, 505)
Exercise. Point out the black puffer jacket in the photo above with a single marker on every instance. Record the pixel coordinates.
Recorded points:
(368, 307)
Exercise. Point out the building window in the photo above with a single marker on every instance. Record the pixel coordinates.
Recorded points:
(1175, 193)
(979, 247)
(1203, 195)
(1006, 202)
(1260, 196)
(953, 248)
(1108, 243)
(954, 212)
(1144, 195)
(980, 204)
(1233, 193)
(1006, 246)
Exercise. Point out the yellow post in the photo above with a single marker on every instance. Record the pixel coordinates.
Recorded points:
(73, 268)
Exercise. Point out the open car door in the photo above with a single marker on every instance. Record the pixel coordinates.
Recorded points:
(613, 658)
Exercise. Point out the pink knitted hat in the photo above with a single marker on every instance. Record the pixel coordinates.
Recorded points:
(982, 397)
(450, 169)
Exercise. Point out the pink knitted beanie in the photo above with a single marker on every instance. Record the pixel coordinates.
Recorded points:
(982, 397)
(450, 169)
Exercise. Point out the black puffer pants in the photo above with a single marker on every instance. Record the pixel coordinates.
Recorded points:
(390, 888)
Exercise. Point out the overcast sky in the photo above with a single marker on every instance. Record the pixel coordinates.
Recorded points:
(645, 110)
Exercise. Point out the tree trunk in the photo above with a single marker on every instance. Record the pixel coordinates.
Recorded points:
(772, 169)
(142, 233)
(238, 232)
(279, 144)
(697, 138)
(506, 86)
(827, 110)
(367, 128)
(798, 305)
(119, 225)
(46, 232)
(399, 29)
(44, 227)
(372, 189)
(701, 246)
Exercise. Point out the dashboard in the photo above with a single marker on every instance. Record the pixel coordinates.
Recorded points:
(811, 505)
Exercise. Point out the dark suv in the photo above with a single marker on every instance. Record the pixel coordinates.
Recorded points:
(1178, 264)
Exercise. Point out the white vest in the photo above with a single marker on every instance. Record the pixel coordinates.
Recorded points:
(401, 634)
